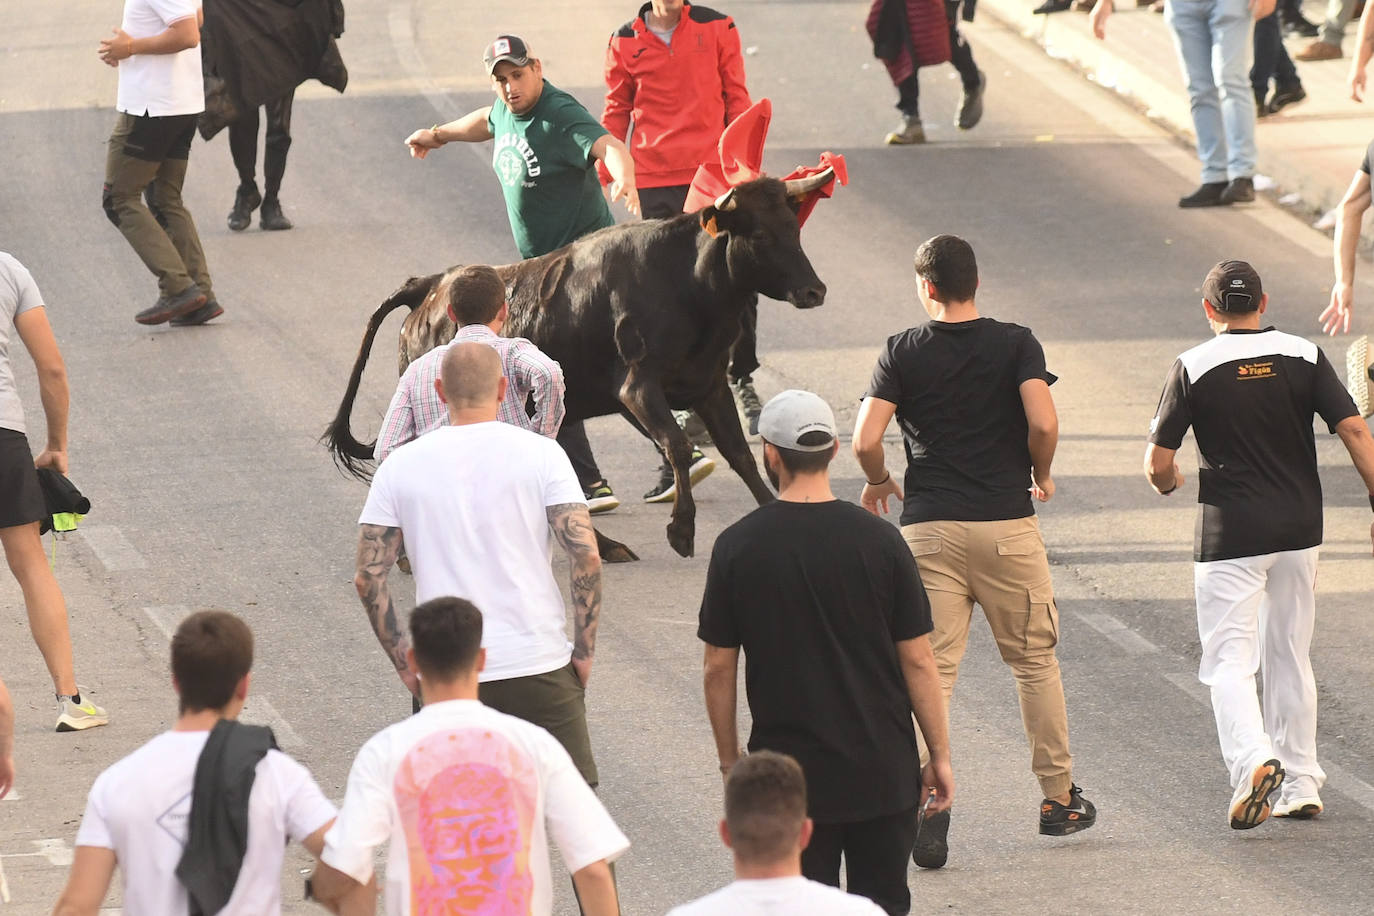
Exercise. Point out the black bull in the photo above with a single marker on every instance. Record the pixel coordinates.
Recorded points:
(641, 317)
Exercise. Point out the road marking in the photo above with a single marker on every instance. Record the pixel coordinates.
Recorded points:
(1190, 685)
(258, 710)
(1129, 640)
(57, 852)
(13, 796)
(111, 548)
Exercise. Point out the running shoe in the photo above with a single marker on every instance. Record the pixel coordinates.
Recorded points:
(932, 838)
(1250, 803)
(908, 133)
(1062, 820)
(1358, 373)
(1299, 799)
(600, 498)
(749, 403)
(666, 489)
(77, 713)
(246, 199)
(168, 307)
(211, 309)
(971, 105)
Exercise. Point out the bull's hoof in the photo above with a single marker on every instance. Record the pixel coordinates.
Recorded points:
(682, 538)
(613, 551)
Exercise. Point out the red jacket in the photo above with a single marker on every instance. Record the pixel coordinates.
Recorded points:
(680, 97)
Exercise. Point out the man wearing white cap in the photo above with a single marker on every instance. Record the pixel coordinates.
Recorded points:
(830, 612)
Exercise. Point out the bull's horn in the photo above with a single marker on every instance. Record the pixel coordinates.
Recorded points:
(727, 201)
(799, 186)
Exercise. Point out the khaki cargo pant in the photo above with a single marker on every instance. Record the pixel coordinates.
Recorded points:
(151, 153)
(1003, 567)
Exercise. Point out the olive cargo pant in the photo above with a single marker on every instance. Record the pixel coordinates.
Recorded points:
(151, 153)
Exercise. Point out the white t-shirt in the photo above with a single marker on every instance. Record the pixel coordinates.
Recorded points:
(141, 808)
(468, 798)
(18, 294)
(795, 896)
(470, 502)
(159, 84)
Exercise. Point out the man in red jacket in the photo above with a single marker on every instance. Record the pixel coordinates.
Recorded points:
(675, 71)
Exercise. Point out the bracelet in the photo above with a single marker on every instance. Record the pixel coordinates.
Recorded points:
(435, 130)
(879, 483)
(131, 48)
(1170, 490)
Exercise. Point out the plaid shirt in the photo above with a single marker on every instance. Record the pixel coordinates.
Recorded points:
(416, 409)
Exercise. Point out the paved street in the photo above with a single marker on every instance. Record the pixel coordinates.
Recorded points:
(198, 446)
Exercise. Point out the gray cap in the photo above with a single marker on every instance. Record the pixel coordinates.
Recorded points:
(793, 414)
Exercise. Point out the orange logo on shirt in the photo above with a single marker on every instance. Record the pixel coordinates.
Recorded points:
(1255, 370)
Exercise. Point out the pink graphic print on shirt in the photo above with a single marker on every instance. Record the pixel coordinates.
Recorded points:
(467, 799)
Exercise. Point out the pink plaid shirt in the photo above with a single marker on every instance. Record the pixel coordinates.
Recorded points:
(416, 409)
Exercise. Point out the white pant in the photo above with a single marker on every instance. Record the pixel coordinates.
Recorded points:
(1256, 613)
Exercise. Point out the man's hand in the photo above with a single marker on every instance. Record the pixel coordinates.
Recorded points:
(1043, 490)
(873, 497)
(119, 46)
(421, 142)
(1102, 11)
(51, 458)
(1178, 482)
(1356, 82)
(6, 774)
(1336, 316)
(582, 667)
(629, 193)
(1262, 9)
(938, 778)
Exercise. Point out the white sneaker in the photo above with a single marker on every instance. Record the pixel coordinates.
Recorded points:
(1358, 360)
(1299, 799)
(1250, 803)
(72, 717)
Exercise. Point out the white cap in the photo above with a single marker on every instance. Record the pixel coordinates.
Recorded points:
(793, 414)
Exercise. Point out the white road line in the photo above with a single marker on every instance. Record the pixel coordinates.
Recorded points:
(1190, 685)
(1129, 640)
(12, 796)
(56, 851)
(400, 23)
(166, 617)
(111, 548)
(258, 710)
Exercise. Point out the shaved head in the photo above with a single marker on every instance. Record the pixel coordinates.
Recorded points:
(471, 376)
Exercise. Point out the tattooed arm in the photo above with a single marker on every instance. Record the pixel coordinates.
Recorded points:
(572, 527)
(378, 547)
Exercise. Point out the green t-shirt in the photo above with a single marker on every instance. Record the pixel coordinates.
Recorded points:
(544, 161)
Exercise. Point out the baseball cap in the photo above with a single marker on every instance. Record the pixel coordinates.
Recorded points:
(793, 414)
(509, 48)
(1233, 286)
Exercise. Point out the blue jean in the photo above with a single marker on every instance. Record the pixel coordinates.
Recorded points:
(1214, 40)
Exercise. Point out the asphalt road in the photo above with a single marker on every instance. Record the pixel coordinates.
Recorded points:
(198, 446)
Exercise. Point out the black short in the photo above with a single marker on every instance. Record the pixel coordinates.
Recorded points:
(21, 497)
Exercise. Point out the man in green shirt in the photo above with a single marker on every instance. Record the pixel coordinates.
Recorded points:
(547, 147)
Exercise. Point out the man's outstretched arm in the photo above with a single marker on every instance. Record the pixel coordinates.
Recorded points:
(1355, 434)
(572, 528)
(378, 547)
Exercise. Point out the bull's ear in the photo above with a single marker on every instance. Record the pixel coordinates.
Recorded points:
(709, 219)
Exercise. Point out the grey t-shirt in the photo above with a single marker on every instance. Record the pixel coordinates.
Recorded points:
(18, 293)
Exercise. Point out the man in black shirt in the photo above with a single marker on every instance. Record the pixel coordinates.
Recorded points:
(1250, 395)
(972, 398)
(830, 612)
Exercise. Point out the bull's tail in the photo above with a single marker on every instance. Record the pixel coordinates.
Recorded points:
(350, 455)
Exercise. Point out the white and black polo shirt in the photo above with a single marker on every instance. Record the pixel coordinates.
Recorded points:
(1250, 396)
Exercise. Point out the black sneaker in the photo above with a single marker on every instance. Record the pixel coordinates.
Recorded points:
(246, 200)
(1207, 195)
(1298, 24)
(1062, 820)
(1285, 96)
(600, 498)
(211, 309)
(271, 218)
(1239, 191)
(971, 107)
(666, 489)
(169, 307)
(932, 840)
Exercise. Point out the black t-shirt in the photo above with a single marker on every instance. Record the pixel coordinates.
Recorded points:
(1250, 396)
(957, 387)
(818, 595)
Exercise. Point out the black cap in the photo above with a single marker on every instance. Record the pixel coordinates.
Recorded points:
(509, 48)
(1233, 287)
